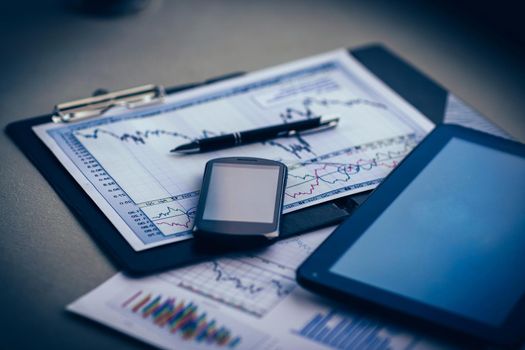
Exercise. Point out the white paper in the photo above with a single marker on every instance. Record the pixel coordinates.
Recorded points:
(122, 160)
(254, 297)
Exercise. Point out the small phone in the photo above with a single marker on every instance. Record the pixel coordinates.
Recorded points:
(241, 197)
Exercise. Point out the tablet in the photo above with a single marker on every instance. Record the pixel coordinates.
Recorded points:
(442, 239)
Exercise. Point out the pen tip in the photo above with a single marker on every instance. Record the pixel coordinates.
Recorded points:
(186, 148)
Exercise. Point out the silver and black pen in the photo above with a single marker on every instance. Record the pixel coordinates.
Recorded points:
(258, 135)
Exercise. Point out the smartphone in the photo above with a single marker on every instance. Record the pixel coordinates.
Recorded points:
(241, 197)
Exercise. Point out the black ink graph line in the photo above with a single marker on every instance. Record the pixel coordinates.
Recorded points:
(306, 112)
(251, 288)
(176, 211)
(139, 137)
(294, 148)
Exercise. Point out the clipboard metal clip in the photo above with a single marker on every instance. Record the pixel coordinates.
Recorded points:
(95, 106)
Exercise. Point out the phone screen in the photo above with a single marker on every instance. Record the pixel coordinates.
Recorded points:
(242, 192)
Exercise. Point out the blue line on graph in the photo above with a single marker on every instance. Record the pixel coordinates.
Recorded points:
(348, 169)
(334, 172)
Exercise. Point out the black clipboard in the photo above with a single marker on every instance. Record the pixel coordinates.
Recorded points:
(419, 90)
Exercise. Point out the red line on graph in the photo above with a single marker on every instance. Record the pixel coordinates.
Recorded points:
(365, 164)
(131, 298)
(391, 166)
(312, 186)
(186, 224)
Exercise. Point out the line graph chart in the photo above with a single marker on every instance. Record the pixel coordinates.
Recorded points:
(342, 169)
(172, 216)
(238, 284)
(307, 112)
(298, 147)
(253, 283)
(311, 177)
(140, 137)
(290, 114)
(187, 217)
(308, 180)
(143, 180)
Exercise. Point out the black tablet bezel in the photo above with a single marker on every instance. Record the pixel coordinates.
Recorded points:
(241, 228)
(315, 273)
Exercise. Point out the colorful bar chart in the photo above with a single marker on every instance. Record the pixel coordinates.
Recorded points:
(180, 317)
(340, 332)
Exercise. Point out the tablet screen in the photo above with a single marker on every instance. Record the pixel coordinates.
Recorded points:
(454, 238)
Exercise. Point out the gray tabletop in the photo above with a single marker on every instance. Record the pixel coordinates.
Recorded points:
(51, 53)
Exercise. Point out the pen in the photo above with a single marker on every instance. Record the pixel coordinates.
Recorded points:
(257, 135)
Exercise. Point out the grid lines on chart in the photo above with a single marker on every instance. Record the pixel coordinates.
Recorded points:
(236, 283)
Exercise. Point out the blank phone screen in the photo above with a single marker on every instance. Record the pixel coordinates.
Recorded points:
(454, 238)
(239, 192)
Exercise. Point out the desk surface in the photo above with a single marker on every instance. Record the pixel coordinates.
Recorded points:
(52, 54)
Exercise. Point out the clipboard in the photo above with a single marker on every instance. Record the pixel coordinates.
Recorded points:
(419, 90)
